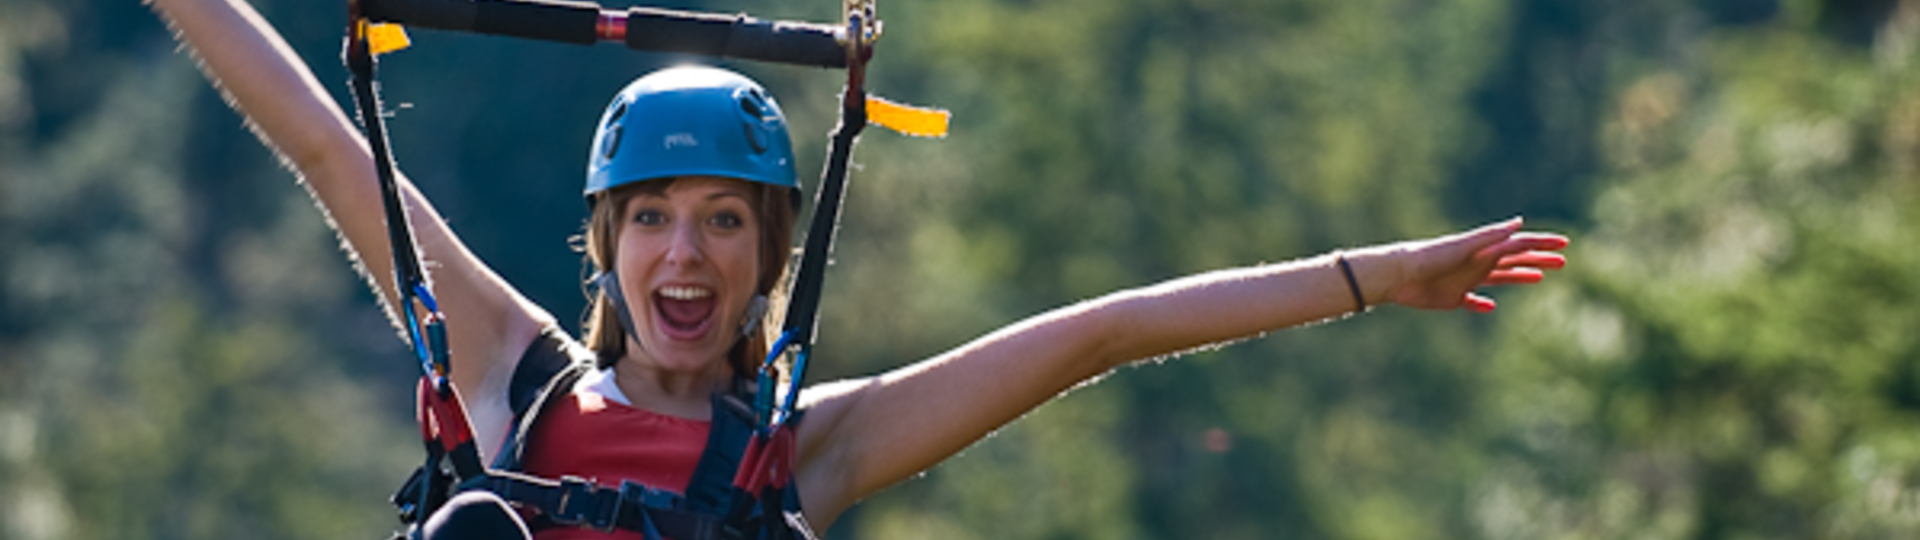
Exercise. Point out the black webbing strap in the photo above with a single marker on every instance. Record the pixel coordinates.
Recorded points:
(366, 94)
(445, 430)
(549, 354)
(803, 311)
(801, 323)
(710, 489)
(549, 368)
(574, 501)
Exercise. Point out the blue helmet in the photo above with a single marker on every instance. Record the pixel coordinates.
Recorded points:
(691, 120)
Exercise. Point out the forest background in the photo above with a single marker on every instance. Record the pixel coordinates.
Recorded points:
(1734, 352)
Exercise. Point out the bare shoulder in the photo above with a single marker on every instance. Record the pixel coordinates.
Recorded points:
(822, 468)
(826, 404)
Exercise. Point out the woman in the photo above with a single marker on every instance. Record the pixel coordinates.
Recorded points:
(696, 250)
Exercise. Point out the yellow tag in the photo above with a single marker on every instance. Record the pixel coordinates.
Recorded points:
(907, 119)
(383, 38)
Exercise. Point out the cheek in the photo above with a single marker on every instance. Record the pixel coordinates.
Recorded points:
(634, 250)
(745, 267)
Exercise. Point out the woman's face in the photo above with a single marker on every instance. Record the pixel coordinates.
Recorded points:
(688, 263)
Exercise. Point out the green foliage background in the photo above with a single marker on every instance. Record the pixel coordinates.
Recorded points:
(184, 353)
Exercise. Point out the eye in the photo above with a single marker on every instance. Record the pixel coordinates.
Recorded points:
(728, 220)
(650, 217)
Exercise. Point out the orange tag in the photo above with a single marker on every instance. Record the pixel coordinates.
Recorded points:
(907, 119)
(383, 38)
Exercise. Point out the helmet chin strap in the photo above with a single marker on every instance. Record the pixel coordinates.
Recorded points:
(609, 284)
(756, 310)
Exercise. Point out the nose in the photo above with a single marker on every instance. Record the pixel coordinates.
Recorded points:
(685, 247)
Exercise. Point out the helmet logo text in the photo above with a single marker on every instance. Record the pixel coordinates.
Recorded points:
(678, 140)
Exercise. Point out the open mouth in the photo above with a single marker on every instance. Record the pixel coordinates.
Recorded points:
(685, 312)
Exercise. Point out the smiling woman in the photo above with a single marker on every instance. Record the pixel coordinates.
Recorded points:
(756, 212)
(690, 255)
(693, 194)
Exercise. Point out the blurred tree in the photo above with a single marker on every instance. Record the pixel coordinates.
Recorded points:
(1734, 356)
(1108, 144)
(183, 355)
(171, 359)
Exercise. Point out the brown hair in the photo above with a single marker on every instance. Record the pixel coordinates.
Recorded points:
(774, 209)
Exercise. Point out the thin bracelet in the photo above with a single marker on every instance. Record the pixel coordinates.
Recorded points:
(1353, 286)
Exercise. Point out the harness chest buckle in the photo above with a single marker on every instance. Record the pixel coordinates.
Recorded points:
(635, 494)
(583, 502)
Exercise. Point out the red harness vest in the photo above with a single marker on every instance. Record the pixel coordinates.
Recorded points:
(585, 434)
(578, 464)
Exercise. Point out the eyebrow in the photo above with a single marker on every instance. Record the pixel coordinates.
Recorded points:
(735, 193)
(724, 193)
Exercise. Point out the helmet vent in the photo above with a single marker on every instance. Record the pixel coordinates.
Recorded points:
(750, 104)
(610, 132)
(619, 111)
(754, 118)
(610, 142)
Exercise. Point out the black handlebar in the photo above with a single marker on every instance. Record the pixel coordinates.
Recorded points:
(641, 28)
(735, 36)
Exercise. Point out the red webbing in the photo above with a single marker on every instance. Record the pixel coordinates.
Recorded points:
(768, 461)
(442, 418)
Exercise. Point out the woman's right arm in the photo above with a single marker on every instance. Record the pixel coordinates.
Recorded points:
(490, 323)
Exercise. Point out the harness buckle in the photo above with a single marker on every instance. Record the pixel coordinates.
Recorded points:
(633, 493)
(583, 502)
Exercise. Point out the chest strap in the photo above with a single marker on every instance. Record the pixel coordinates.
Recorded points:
(575, 501)
(712, 509)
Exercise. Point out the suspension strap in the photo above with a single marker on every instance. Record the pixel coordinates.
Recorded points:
(418, 309)
(444, 428)
(767, 467)
(801, 322)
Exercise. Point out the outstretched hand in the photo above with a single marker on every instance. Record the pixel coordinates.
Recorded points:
(1442, 273)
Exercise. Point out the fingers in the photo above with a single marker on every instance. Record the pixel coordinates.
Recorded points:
(1478, 304)
(1510, 226)
(1524, 242)
(1536, 250)
(1511, 257)
(1509, 231)
(1537, 241)
(1516, 276)
(1532, 259)
(1491, 255)
(1487, 235)
(1496, 229)
(1501, 239)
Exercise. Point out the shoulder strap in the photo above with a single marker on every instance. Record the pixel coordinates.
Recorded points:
(547, 356)
(551, 364)
(711, 488)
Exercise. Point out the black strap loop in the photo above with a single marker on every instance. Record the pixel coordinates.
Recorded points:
(574, 501)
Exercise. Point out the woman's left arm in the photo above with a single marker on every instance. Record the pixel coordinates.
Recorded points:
(863, 435)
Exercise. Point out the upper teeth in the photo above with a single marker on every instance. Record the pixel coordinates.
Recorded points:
(685, 293)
